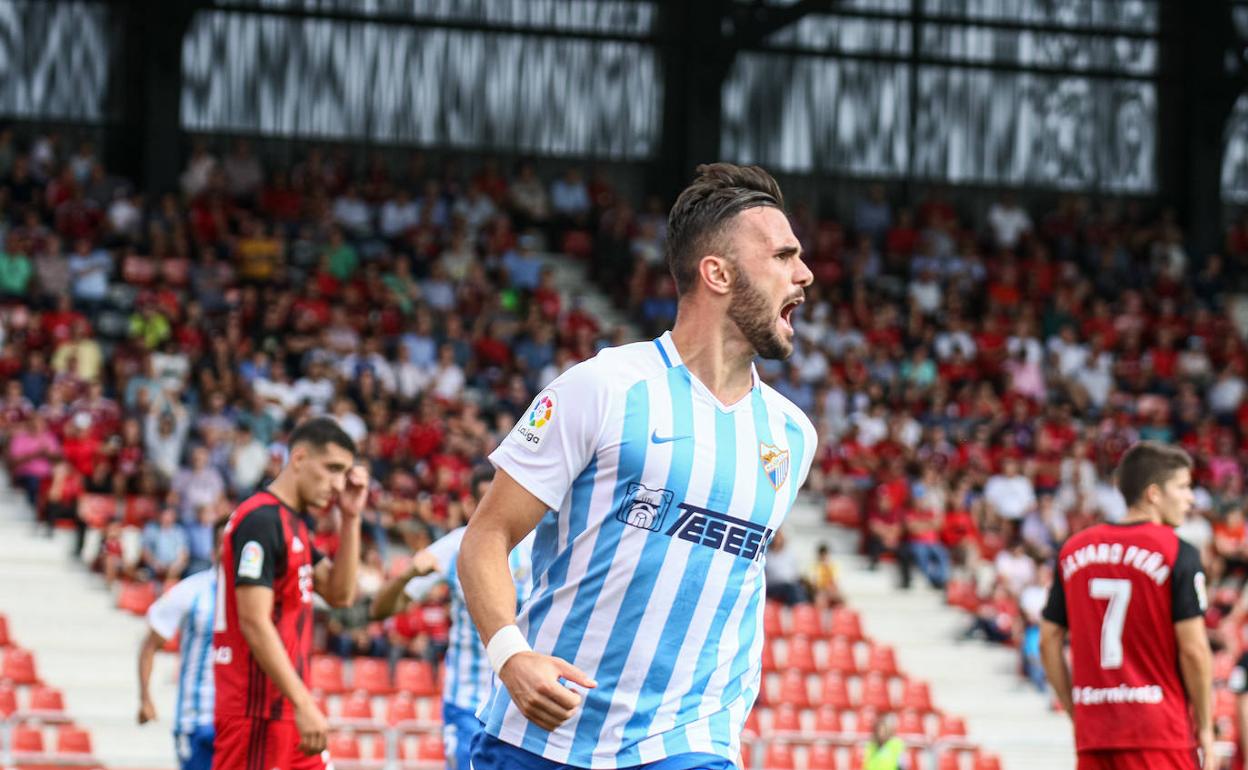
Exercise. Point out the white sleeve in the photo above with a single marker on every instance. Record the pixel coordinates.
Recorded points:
(166, 613)
(417, 587)
(558, 434)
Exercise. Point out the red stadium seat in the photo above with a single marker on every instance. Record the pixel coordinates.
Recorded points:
(769, 656)
(1223, 703)
(948, 761)
(8, 701)
(371, 675)
(875, 693)
(793, 689)
(19, 667)
(786, 719)
(987, 762)
(951, 727)
(857, 757)
(747, 756)
(779, 757)
(828, 719)
(821, 756)
(752, 726)
(46, 703)
(835, 692)
(881, 659)
(415, 677)
(430, 748)
(140, 509)
(917, 696)
(135, 598)
(773, 625)
(27, 740)
(357, 707)
(400, 708)
(841, 657)
(5, 639)
(865, 719)
(845, 623)
(325, 674)
(344, 746)
(73, 740)
(806, 621)
(910, 725)
(801, 655)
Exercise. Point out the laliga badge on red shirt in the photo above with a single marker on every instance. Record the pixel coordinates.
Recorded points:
(251, 560)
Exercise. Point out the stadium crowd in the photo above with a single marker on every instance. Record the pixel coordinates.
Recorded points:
(973, 382)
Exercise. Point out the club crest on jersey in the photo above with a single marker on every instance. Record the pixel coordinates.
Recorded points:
(644, 508)
(775, 464)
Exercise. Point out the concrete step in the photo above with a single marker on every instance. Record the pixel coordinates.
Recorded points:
(82, 645)
(971, 679)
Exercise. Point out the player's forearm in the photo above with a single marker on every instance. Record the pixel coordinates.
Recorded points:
(489, 590)
(267, 650)
(390, 598)
(346, 564)
(147, 655)
(1241, 717)
(1196, 665)
(1052, 656)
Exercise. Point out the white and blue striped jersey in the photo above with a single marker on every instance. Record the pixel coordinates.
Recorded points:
(468, 677)
(648, 571)
(188, 609)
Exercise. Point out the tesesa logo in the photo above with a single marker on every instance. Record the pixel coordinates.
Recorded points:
(647, 509)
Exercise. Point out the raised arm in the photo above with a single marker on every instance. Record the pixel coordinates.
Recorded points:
(506, 514)
(334, 579)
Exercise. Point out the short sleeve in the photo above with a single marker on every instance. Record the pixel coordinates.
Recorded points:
(418, 587)
(1187, 581)
(167, 612)
(444, 549)
(1055, 607)
(257, 545)
(556, 437)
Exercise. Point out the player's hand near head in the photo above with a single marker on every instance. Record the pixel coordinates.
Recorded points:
(354, 494)
(313, 729)
(532, 681)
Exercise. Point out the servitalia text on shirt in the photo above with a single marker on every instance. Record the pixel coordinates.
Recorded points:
(1095, 696)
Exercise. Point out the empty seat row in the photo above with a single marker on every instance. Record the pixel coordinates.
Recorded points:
(353, 750)
(362, 710)
(28, 740)
(44, 703)
(818, 755)
(17, 667)
(328, 674)
(785, 720)
(808, 690)
(809, 621)
(837, 653)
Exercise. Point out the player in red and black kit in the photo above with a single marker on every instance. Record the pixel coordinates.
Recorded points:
(1132, 596)
(265, 717)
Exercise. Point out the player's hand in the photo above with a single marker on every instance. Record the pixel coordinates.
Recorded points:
(147, 711)
(355, 494)
(422, 564)
(532, 681)
(313, 730)
(1208, 760)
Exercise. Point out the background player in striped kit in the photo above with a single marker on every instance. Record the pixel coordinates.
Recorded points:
(655, 474)
(186, 609)
(468, 679)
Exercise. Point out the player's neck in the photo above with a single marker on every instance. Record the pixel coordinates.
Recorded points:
(1139, 516)
(720, 359)
(286, 491)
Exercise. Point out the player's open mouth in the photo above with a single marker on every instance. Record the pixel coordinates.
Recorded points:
(786, 312)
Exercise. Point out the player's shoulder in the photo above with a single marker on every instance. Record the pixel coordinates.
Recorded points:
(774, 399)
(614, 369)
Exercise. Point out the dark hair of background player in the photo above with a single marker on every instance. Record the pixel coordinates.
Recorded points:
(1148, 463)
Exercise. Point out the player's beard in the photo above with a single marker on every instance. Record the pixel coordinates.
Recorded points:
(754, 316)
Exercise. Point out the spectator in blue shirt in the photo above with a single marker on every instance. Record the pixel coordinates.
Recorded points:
(165, 549)
(89, 272)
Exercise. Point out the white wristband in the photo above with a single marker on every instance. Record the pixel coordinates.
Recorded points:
(507, 641)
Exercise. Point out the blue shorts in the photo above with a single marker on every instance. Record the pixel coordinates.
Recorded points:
(195, 749)
(459, 728)
(490, 753)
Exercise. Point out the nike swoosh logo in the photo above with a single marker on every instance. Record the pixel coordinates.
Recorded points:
(656, 438)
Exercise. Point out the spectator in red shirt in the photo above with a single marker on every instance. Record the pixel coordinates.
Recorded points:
(922, 525)
(886, 535)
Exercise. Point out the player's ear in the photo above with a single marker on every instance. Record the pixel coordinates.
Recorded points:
(717, 273)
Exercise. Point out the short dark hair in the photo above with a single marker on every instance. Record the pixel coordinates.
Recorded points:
(320, 432)
(697, 220)
(1147, 463)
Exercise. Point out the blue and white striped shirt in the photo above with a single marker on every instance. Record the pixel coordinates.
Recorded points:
(649, 575)
(188, 609)
(469, 678)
